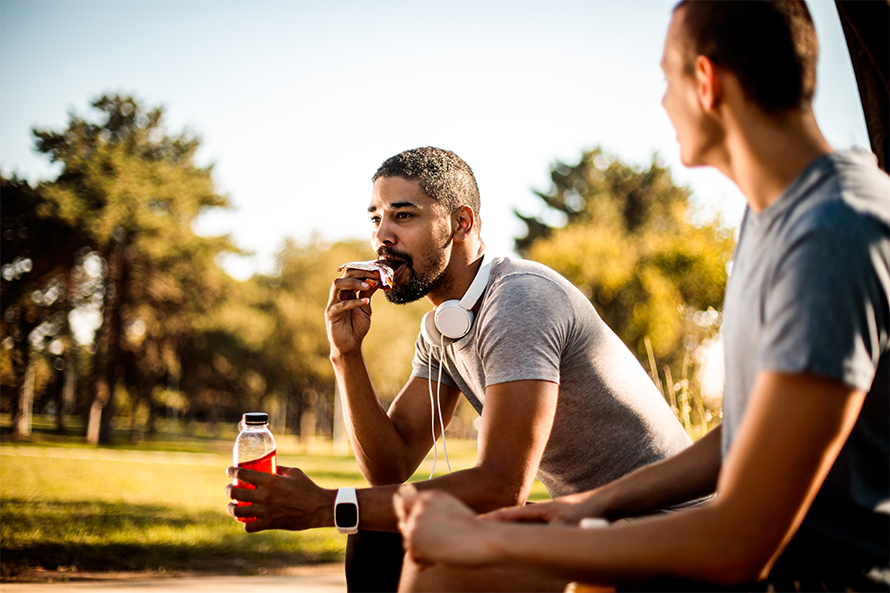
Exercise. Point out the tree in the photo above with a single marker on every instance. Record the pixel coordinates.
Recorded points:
(134, 191)
(629, 243)
(38, 255)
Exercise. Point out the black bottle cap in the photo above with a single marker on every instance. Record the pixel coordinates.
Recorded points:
(253, 418)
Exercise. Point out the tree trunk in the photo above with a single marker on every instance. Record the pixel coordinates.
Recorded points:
(69, 386)
(24, 370)
(26, 399)
(107, 337)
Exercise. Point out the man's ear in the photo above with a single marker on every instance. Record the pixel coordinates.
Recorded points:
(708, 84)
(465, 221)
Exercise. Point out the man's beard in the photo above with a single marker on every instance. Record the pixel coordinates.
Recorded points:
(419, 283)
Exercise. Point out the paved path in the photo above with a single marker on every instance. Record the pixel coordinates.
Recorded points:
(323, 580)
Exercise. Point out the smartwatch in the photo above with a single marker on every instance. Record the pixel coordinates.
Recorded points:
(346, 511)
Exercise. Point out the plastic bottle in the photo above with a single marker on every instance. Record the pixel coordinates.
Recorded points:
(254, 449)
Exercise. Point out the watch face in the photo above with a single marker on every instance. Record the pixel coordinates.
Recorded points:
(346, 514)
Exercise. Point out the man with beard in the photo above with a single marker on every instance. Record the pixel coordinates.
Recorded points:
(560, 396)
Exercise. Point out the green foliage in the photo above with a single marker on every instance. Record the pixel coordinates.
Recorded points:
(132, 192)
(629, 244)
(39, 254)
(124, 174)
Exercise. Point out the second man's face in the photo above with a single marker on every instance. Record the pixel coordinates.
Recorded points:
(411, 231)
(695, 133)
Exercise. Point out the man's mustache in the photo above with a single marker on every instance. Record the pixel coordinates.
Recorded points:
(389, 253)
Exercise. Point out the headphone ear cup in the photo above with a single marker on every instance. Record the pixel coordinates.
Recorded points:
(429, 331)
(452, 320)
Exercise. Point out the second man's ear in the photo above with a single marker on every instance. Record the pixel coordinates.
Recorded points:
(708, 83)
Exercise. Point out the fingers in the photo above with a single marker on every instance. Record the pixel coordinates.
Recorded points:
(250, 476)
(237, 511)
(248, 511)
(246, 514)
(351, 288)
(504, 514)
(537, 513)
(242, 494)
(402, 501)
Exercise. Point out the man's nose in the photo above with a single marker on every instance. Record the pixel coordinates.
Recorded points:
(384, 234)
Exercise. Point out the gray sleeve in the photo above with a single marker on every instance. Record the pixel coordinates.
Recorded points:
(825, 308)
(523, 330)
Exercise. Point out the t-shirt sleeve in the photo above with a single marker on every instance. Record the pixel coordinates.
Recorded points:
(825, 307)
(523, 329)
(426, 363)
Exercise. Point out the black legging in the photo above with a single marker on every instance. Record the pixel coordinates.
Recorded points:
(373, 562)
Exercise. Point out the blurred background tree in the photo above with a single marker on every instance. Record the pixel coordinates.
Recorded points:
(115, 309)
(626, 237)
(39, 256)
(134, 192)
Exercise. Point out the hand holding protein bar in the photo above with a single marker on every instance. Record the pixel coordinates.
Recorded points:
(349, 308)
(383, 270)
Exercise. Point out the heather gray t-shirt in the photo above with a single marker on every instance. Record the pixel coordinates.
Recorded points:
(535, 325)
(808, 293)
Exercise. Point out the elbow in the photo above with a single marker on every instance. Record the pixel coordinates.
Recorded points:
(497, 491)
(384, 475)
(737, 571)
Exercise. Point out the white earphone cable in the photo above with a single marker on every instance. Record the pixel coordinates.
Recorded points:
(429, 373)
(435, 405)
(439, 405)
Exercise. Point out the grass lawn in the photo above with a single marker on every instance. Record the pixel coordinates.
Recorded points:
(158, 506)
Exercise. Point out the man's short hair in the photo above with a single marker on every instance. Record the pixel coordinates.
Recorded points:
(442, 175)
(770, 45)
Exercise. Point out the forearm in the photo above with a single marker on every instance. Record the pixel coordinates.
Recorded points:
(380, 450)
(479, 489)
(690, 474)
(698, 544)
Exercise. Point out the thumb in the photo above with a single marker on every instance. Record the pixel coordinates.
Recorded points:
(403, 500)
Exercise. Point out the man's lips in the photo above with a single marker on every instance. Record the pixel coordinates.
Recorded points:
(391, 264)
(394, 264)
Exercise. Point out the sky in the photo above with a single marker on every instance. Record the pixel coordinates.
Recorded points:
(298, 102)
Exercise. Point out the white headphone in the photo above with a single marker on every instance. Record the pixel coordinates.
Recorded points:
(453, 319)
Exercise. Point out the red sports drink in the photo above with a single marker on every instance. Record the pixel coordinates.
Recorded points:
(254, 449)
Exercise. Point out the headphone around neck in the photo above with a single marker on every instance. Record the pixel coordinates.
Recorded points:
(454, 318)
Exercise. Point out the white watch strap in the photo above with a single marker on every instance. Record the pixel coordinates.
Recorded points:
(346, 497)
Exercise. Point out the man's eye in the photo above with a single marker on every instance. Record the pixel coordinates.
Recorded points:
(375, 219)
(403, 215)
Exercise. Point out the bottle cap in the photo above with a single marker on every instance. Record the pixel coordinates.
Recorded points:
(253, 418)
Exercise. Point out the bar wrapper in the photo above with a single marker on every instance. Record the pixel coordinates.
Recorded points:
(384, 272)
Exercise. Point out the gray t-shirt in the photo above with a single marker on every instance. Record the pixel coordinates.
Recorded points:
(535, 325)
(808, 293)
